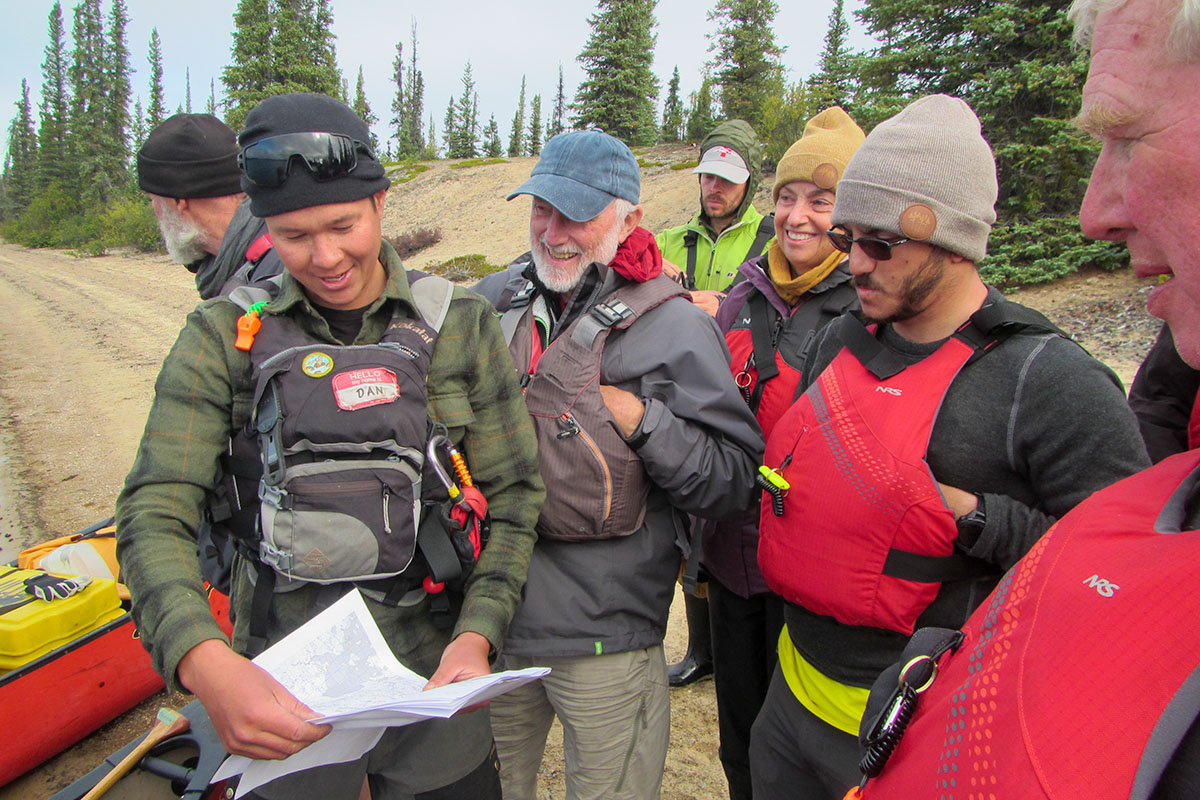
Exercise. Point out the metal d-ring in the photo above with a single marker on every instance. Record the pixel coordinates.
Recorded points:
(914, 662)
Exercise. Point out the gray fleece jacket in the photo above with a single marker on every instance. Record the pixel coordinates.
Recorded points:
(700, 446)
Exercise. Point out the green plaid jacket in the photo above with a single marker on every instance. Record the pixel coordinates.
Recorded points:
(203, 393)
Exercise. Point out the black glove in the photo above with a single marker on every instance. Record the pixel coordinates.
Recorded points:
(49, 587)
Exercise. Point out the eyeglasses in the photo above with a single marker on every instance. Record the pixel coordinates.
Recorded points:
(875, 248)
(326, 155)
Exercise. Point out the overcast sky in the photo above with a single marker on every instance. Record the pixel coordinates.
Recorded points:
(501, 41)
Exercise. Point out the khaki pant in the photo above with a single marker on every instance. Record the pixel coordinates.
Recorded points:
(616, 720)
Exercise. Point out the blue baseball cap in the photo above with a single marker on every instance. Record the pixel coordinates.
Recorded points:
(581, 172)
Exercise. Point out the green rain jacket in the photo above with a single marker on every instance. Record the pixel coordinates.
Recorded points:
(718, 256)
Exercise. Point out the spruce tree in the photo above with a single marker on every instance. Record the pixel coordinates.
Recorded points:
(1013, 61)
(516, 136)
(54, 161)
(746, 61)
(701, 117)
(250, 70)
(430, 151)
(210, 106)
(115, 144)
(414, 91)
(363, 108)
(280, 46)
(491, 139)
(464, 142)
(449, 129)
(88, 115)
(400, 118)
(619, 93)
(672, 125)
(832, 84)
(187, 84)
(321, 47)
(20, 174)
(557, 116)
(155, 110)
(140, 125)
(533, 142)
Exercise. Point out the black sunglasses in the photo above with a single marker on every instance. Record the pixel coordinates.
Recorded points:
(875, 248)
(326, 155)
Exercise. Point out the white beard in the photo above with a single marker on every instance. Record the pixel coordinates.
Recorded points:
(561, 281)
(184, 240)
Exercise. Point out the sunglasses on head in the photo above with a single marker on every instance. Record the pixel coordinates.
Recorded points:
(873, 247)
(326, 155)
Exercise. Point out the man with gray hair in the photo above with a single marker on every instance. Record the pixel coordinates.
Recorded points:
(188, 166)
(932, 448)
(1084, 650)
(639, 423)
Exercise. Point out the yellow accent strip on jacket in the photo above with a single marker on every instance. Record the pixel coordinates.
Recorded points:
(836, 703)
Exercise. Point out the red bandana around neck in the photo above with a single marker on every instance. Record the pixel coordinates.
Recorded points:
(638, 258)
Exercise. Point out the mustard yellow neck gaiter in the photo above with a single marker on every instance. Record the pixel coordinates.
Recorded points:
(792, 289)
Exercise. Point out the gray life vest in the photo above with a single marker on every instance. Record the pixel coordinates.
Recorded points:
(596, 485)
(339, 433)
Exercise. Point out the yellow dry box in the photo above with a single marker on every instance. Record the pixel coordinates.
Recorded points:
(31, 628)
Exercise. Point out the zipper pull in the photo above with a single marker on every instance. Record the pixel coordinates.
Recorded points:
(387, 517)
(568, 423)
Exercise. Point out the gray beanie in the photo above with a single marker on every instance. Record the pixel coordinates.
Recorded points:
(927, 174)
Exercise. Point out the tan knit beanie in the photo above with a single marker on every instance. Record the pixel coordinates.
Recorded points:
(927, 174)
(822, 153)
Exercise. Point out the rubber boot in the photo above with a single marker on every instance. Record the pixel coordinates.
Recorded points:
(697, 662)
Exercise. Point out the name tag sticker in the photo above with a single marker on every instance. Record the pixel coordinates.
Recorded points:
(360, 388)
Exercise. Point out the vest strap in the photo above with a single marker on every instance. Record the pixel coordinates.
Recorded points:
(690, 238)
(764, 341)
(766, 229)
(934, 569)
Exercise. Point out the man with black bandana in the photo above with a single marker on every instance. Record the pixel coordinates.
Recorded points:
(322, 192)
(188, 166)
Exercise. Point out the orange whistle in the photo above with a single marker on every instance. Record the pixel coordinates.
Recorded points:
(247, 326)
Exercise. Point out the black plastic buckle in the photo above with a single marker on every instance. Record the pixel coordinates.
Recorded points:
(522, 296)
(612, 312)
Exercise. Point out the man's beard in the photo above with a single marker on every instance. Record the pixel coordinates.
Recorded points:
(914, 291)
(557, 280)
(184, 239)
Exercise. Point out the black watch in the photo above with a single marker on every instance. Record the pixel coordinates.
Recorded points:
(971, 525)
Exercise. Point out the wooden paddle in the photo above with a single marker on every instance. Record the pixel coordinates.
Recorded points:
(170, 722)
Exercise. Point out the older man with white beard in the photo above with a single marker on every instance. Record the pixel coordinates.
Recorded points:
(188, 166)
(639, 422)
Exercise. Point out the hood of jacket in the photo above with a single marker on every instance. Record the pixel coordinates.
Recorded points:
(738, 136)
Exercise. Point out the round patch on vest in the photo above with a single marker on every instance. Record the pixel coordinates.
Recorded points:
(918, 222)
(825, 176)
(316, 365)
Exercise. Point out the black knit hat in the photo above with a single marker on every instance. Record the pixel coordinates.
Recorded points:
(310, 113)
(189, 155)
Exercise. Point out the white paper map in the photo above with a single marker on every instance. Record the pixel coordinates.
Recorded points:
(339, 665)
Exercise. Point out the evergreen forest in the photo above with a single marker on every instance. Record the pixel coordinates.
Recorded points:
(68, 177)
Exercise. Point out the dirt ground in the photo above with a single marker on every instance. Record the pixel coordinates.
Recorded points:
(83, 339)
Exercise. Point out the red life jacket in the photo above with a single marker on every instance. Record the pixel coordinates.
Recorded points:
(1080, 675)
(761, 336)
(865, 536)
